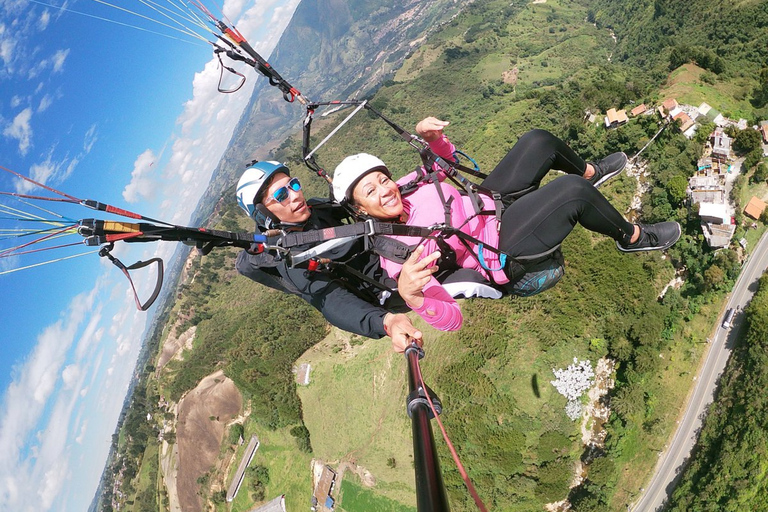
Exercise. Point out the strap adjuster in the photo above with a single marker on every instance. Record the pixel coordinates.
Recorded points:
(370, 228)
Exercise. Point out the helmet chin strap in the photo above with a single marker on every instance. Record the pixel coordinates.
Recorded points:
(267, 220)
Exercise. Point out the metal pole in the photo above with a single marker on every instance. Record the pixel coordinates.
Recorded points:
(430, 491)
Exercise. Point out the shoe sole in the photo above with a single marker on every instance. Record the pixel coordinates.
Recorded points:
(612, 174)
(654, 248)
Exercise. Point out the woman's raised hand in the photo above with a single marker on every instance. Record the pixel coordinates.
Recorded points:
(415, 275)
(431, 128)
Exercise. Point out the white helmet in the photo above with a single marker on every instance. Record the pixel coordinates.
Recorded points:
(351, 170)
(253, 181)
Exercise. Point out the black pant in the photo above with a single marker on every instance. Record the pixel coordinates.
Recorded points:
(539, 221)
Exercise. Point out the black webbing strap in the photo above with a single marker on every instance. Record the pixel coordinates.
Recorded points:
(367, 228)
(105, 252)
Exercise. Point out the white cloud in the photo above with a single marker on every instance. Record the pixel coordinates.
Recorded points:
(41, 173)
(21, 130)
(7, 48)
(51, 172)
(16, 101)
(53, 443)
(233, 8)
(45, 102)
(55, 63)
(142, 185)
(45, 18)
(70, 375)
(58, 60)
(81, 435)
(26, 398)
(90, 139)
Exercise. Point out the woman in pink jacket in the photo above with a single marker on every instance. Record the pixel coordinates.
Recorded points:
(532, 227)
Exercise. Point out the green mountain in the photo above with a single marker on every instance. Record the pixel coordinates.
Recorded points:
(495, 70)
(330, 50)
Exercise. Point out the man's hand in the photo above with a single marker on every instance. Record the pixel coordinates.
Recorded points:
(402, 331)
(431, 128)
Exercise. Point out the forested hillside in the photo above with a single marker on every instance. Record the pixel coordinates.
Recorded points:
(727, 470)
(495, 71)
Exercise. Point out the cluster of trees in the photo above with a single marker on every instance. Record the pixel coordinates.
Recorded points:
(659, 35)
(259, 480)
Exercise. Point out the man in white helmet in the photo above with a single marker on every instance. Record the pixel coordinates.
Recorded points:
(268, 194)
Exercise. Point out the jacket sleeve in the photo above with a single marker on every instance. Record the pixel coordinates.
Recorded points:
(440, 310)
(443, 147)
(338, 305)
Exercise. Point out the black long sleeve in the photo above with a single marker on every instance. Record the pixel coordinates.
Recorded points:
(338, 305)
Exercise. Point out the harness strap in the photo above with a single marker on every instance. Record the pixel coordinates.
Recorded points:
(366, 228)
(105, 252)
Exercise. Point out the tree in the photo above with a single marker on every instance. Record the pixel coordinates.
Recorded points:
(747, 141)
(301, 433)
(760, 93)
(629, 401)
(761, 174)
(676, 188)
(752, 159)
(714, 277)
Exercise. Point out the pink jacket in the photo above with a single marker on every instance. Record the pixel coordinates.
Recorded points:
(424, 208)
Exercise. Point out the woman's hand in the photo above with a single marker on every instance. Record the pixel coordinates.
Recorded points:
(431, 128)
(415, 275)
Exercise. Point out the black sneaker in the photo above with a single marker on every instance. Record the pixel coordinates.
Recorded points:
(607, 168)
(653, 237)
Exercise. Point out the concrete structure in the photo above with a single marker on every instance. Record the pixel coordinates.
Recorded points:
(615, 118)
(721, 145)
(714, 213)
(302, 374)
(755, 208)
(718, 235)
(640, 109)
(237, 480)
(324, 488)
(276, 505)
(720, 120)
(707, 193)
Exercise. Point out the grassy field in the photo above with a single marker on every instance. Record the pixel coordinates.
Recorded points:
(289, 470)
(730, 98)
(354, 407)
(354, 497)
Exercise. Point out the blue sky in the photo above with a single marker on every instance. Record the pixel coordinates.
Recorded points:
(127, 117)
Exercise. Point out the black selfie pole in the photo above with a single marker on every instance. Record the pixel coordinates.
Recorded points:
(430, 491)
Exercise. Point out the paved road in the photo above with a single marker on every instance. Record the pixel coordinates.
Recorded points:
(678, 451)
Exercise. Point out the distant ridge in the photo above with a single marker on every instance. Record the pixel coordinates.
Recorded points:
(331, 49)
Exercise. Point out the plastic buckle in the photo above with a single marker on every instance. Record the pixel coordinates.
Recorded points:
(370, 228)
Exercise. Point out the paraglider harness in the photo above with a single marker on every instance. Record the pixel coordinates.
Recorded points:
(238, 49)
(378, 234)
